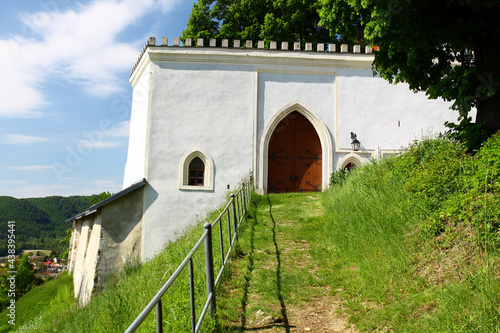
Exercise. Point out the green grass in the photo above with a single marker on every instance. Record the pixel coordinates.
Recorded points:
(52, 299)
(406, 250)
(272, 264)
(51, 307)
(408, 244)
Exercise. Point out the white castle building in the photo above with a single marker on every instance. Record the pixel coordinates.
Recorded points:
(203, 118)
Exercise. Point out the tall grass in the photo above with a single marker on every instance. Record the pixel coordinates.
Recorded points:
(114, 309)
(401, 256)
(410, 243)
(53, 298)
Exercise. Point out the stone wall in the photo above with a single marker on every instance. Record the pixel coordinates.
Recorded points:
(104, 242)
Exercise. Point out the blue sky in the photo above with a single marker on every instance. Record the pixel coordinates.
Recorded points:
(64, 93)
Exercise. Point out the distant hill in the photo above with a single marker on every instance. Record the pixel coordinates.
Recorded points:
(39, 221)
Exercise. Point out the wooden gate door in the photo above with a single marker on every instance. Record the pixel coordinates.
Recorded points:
(294, 156)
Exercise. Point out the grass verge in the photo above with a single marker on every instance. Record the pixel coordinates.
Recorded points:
(52, 308)
(406, 245)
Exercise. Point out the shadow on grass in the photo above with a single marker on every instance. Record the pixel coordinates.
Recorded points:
(248, 275)
(278, 271)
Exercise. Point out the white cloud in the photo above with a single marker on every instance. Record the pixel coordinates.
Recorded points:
(14, 182)
(31, 167)
(99, 144)
(79, 46)
(97, 186)
(98, 139)
(29, 190)
(111, 183)
(19, 139)
(119, 130)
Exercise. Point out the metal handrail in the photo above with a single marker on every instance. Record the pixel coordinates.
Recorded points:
(238, 204)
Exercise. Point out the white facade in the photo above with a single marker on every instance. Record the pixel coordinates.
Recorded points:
(223, 105)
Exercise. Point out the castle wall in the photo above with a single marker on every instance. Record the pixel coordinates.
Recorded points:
(136, 157)
(86, 234)
(226, 102)
(282, 91)
(223, 105)
(104, 242)
(194, 107)
(384, 115)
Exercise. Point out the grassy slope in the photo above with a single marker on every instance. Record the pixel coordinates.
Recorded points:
(403, 242)
(402, 261)
(115, 309)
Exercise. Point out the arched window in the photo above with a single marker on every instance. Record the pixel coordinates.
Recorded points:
(196, 172)
(349, 166)
(350, 161)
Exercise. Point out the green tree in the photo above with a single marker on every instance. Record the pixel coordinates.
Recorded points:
(278, 20)
(65, 242)
(96, 198)
(25, 279)
(447, 49)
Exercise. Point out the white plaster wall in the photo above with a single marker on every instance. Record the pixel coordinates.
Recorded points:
(85, 258)
(82, 226)
(90, 262)
(75, 239)
(220, 101)
(276, 91)
(208, 106)
(134, 168)
(371, 107)
(104, 242)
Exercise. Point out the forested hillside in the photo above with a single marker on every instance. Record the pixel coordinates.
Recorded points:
(39, 221)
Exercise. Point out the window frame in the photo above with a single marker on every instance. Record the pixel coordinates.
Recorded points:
(208, 176)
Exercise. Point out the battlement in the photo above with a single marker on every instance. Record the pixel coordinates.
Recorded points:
(260, 45)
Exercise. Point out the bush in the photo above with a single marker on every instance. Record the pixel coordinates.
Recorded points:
(338, 177)
(488, 166)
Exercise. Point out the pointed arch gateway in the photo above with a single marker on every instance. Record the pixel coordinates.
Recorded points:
(295, 156)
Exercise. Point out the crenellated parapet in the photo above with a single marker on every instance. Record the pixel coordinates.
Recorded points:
(260, 45)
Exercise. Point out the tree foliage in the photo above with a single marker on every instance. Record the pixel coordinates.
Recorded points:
(25, 279)
(448, 49)
(96, 198)
(40, 222)
(278, 20)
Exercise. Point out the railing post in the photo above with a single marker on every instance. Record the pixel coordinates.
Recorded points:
(237, 198)
(244, 198)
(159, 317)
(250, 184)
(209, 263)
(221, 242)
(229, 228)
(191, 296)
(235, 222)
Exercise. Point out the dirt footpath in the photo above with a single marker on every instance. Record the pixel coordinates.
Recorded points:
(278, 280)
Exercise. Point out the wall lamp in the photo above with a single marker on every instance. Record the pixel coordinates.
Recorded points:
(355, 143)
